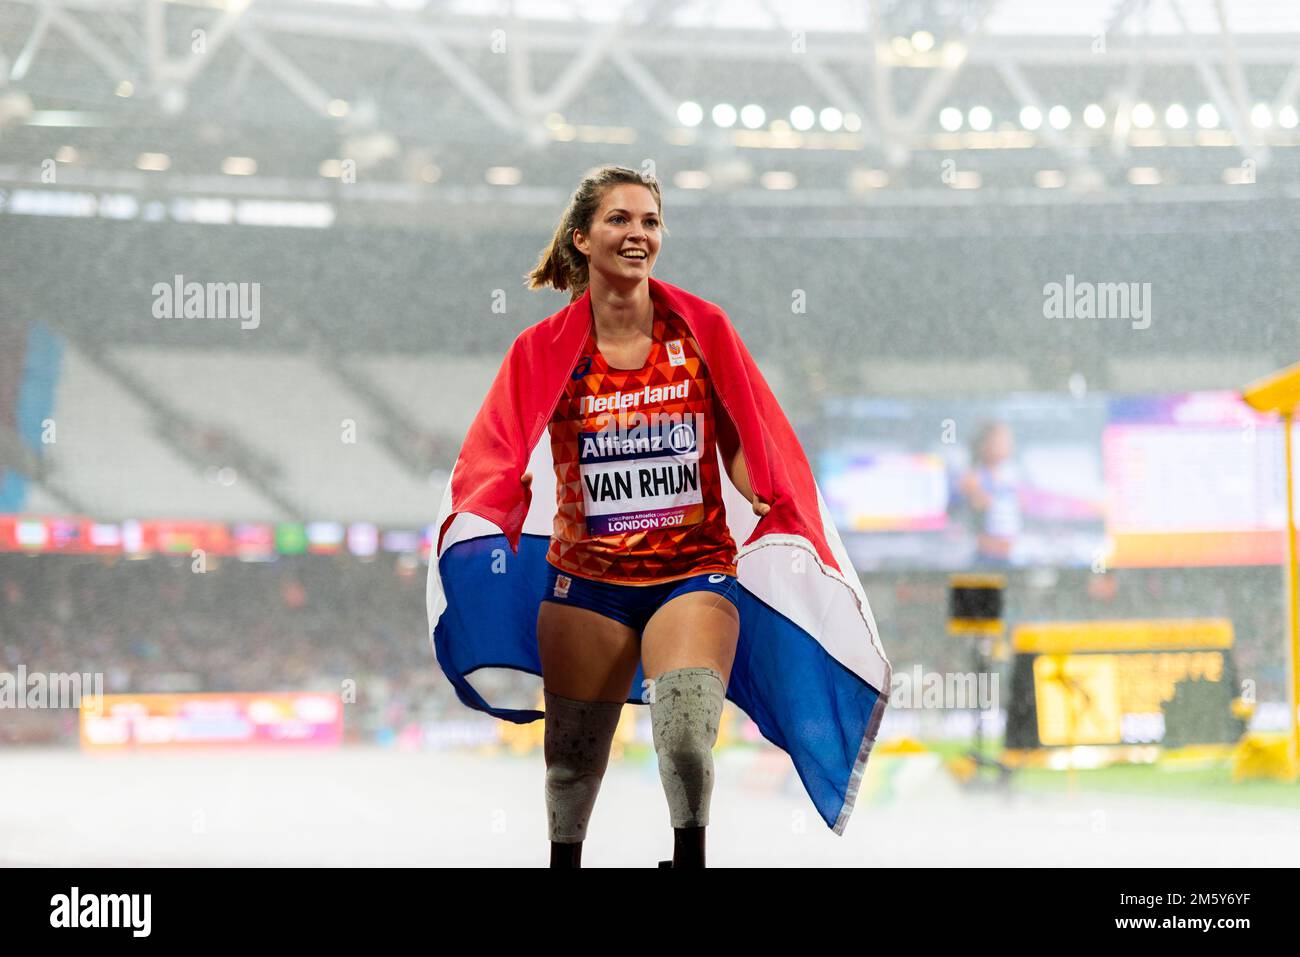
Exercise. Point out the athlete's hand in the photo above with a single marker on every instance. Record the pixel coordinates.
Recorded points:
(760, 508)
(527, 479)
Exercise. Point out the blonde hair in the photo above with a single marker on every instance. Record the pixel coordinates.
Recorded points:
(561, 264)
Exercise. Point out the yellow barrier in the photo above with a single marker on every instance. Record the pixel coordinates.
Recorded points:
(1262, 756)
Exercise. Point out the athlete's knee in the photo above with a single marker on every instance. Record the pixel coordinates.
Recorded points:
(576, 745)
(684, 717)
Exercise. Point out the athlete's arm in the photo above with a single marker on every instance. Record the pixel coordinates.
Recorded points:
(733, 456)
(970, 487)
(739, 473)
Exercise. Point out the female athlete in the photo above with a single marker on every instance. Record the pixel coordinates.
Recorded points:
(642, 563)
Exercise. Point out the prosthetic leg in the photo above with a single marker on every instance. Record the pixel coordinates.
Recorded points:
(576, 744)
(684, 718)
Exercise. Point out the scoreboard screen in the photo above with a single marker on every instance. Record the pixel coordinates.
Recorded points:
(1162, 682)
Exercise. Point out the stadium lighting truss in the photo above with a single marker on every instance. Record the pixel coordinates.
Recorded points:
(137, 42)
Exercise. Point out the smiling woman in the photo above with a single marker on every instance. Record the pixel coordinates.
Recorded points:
(650, 396)
(643, 567)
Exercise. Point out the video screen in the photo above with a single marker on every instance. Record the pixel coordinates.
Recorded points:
(1195, 479)
(966, 483)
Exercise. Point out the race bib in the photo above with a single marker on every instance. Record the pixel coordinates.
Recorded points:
(643, 479)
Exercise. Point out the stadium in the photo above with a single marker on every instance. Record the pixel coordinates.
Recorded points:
(1015, 272)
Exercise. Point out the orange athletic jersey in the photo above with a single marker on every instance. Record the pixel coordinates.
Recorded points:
(638, 487)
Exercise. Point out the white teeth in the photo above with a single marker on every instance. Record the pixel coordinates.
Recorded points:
(632, 254)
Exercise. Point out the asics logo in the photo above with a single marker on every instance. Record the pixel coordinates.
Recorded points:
(714, 579)
(583, 368)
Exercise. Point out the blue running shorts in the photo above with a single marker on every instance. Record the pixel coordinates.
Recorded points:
(632, 604)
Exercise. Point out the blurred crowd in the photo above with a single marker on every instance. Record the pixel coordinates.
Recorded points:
(308, 623)
(312, 623)
(911, 611)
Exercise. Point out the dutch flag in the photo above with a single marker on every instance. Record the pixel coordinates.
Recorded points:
(810, 670)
